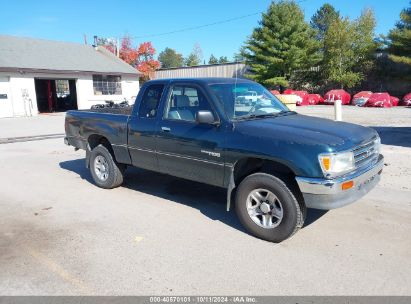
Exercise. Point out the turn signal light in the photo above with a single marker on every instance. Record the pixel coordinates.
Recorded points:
(326, 163)
(347, 185)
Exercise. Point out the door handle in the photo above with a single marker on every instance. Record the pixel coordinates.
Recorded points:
(165, 129)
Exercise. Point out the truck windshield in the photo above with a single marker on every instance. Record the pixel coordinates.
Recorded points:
(243, 100)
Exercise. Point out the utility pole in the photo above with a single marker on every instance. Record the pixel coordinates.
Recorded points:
(118, 47)
(85, 39)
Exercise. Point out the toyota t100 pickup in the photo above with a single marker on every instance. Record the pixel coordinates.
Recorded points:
(273, 162)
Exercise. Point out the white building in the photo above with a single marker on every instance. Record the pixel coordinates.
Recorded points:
(39, 76)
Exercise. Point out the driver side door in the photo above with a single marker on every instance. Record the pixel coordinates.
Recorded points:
(186, 148)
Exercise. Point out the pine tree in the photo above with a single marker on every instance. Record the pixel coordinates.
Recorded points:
(223, 59)
(192, 60)
(322, 19)
(400, 39)
(213, 60)
(282, 44)
(195, 57)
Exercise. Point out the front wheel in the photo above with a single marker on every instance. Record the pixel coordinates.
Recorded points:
(267, 207)
(106, 172)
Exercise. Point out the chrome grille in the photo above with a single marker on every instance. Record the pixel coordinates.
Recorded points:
(365, 154)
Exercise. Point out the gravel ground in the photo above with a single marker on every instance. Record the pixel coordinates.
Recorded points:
(61, 235)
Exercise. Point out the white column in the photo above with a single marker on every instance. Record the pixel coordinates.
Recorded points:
(338, 110)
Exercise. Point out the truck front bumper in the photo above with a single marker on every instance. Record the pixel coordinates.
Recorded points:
(329, 194)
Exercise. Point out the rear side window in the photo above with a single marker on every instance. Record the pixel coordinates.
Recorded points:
(185, 102)
(150, 101)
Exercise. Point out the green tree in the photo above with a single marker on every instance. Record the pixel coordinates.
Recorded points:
(400, 39)
(365, 44)
(282, 44)
(322, 19)
(239, 57)
(195, 57)
(213, 60)
(192, 60)
(339, 55)
(169, 58)
(349, 49)
(223, 59)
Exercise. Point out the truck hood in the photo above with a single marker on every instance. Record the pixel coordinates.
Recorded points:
(302, 129)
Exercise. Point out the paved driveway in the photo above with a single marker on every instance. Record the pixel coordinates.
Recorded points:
(60, 234)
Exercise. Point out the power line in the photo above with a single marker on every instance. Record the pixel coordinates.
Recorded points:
(197, 27)
(202, 26)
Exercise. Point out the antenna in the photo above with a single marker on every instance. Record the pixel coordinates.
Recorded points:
(235, 85)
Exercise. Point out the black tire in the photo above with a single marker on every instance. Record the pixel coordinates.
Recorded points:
(293, 209)
(115, 171)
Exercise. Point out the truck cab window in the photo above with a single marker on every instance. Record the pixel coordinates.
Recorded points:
(185, 102)
(150, 101)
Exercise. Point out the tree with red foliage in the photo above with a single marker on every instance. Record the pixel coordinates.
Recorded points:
(145, 60)
(141, 58)
(128, 53)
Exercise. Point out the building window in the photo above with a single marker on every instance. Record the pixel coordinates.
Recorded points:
(107, 85)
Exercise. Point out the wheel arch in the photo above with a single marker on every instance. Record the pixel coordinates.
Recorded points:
(249, 165)
(93, 141)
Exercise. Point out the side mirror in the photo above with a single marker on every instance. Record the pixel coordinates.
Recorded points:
(205, 117)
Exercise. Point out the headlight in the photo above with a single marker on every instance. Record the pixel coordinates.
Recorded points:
(334, 164)
(377, 145)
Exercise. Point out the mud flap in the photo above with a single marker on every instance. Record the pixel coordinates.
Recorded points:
(230, 189)
(88, 153)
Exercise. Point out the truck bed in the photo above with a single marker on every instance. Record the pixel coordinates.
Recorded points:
(80, 125)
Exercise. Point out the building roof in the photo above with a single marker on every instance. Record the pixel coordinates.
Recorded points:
(204, 65)
(206, 80)
(232, 69)
(20, 53)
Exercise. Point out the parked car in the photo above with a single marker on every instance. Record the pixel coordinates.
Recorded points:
(273, 162)
(361, 98)
(331, 96)
(247, 98)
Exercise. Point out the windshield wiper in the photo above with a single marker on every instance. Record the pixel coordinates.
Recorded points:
(265, 115)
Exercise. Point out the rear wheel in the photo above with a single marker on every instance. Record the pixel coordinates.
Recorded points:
(106, 172)
(267, 207)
